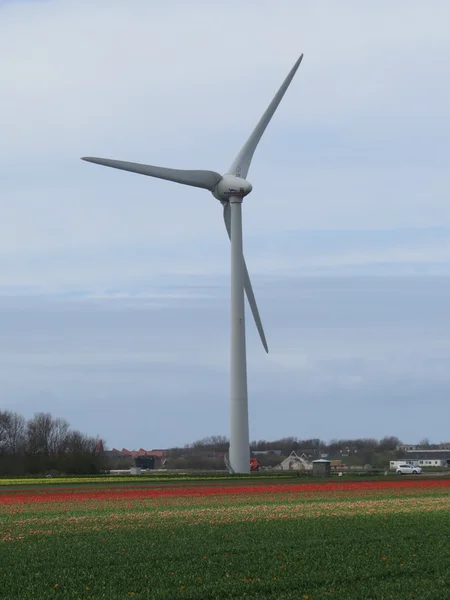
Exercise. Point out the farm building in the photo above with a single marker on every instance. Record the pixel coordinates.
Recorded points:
(321, 467)
(144, 459)
(295, 463)
(429, 458)
(434, 462)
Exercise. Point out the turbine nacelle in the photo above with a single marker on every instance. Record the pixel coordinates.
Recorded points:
(229, 186)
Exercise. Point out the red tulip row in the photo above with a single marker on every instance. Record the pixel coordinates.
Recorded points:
(75, 495)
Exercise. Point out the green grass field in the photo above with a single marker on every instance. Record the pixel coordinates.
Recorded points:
(286, 541)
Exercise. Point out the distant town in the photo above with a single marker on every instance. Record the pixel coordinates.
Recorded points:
(287, 453)
(44, 444)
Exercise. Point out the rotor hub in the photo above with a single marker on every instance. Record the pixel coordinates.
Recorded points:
(230, 186)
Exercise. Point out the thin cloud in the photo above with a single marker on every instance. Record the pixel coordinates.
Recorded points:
(114, 287)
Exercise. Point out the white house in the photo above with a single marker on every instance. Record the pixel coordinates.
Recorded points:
(432, 462)
(430, 458)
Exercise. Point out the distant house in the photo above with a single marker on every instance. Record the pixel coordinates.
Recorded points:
(295, 463)
(406, 447)
(434, 462)
(430, 458)
(145, 459)
(418, 447)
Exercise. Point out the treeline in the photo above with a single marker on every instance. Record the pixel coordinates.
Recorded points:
(388, 443)
(292, 443)
(289, 444)
(45, 445)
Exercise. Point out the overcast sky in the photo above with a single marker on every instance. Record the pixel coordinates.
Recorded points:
(114, 288)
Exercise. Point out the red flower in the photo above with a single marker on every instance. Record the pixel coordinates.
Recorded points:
(82, 495)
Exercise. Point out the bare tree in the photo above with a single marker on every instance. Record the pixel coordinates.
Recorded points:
(58, 437)
(39, 434)
(12, 432)
(3, 426)
(44, 444)
(389, 443)
(78, 443)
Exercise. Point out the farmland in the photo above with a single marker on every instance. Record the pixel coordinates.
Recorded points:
(279, 539)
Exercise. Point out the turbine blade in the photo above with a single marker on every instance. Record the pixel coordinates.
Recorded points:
(201, 179)
(247, 283)
(241, 163)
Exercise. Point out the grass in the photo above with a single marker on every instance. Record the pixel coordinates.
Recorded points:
(283, 542)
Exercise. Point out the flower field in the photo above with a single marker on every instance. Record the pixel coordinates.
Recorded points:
(44, 481)
(362, 540)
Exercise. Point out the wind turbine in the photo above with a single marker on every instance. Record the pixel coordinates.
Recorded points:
(229, 189)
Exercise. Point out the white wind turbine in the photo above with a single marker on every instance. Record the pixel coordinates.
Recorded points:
(230, 190)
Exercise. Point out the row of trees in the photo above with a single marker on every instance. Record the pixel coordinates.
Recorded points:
(294, 443)
(44, 444)
(315, 445)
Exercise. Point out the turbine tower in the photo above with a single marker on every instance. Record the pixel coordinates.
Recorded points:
(229, 189)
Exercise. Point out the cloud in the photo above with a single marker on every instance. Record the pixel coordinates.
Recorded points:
(348, 357)
(359, 140)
